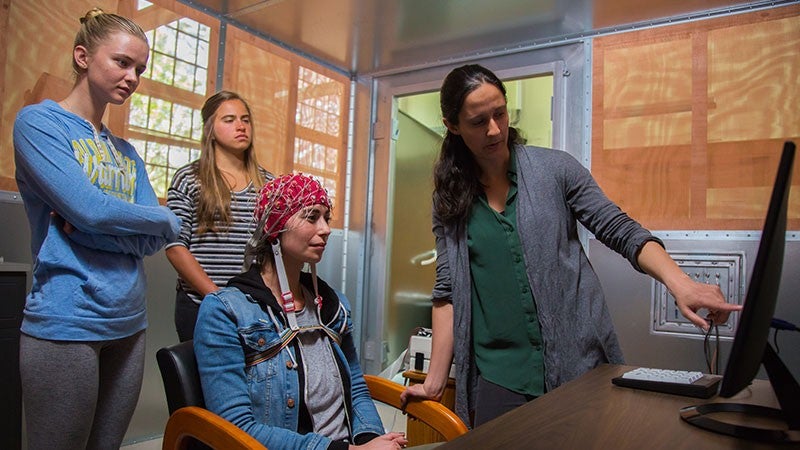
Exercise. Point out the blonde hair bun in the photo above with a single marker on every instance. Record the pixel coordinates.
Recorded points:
(94, 12)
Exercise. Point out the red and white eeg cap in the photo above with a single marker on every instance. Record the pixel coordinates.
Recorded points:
(283, 197)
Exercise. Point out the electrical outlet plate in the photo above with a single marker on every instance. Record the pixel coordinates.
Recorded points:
(724, 269)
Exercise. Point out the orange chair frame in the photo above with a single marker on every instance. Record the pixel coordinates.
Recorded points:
(192, 422)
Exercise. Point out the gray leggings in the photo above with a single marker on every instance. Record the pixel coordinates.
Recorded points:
(80, 394)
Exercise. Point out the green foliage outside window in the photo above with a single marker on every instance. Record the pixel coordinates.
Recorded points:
(165, 132)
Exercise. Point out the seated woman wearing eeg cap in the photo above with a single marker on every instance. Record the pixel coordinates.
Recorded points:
(275, 347)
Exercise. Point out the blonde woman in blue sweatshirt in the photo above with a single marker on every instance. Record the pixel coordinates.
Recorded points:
(93, 217)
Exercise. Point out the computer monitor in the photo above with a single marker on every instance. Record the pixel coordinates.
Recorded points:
(750, 346)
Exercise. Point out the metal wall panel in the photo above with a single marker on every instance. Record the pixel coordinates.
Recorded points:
(628, 295)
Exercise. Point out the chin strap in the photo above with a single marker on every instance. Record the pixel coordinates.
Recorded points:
(287, 303)
(287, 298)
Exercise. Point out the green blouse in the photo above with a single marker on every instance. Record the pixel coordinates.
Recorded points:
(505, 325)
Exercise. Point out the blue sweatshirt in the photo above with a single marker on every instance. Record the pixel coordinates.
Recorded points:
(88, 284)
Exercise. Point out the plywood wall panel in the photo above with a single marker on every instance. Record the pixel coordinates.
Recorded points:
(38, 40)
(263, 78)
(689, 120)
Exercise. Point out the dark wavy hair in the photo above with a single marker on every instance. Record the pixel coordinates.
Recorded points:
(456, 175)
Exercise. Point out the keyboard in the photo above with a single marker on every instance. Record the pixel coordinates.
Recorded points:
(676, 382)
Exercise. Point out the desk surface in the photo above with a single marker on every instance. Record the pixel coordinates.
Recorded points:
(590, 412)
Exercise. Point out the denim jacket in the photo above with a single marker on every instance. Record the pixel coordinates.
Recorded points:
(266, 399)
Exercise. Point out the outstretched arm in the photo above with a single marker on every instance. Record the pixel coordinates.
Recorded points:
(690, 295)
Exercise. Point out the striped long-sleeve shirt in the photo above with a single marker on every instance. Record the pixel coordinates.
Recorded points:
(219, 252)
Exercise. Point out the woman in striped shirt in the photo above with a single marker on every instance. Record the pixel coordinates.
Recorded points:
(214, 198)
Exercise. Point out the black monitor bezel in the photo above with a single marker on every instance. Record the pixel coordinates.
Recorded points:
(751, 348)
(752, 331)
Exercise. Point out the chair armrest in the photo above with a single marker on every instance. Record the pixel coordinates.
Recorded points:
(192, 422)
(435, 414)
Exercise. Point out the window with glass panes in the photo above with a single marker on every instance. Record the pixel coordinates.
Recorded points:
(318, 131)
(164, 122)
(167, 136)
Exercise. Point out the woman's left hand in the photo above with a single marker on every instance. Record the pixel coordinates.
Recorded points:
(389, 441)
(691, 296)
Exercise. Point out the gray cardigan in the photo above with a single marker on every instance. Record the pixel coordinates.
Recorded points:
(554, 191)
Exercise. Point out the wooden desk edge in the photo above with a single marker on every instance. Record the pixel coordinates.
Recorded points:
(580, 422)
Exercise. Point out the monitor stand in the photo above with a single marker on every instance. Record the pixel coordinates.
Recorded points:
(786, 390)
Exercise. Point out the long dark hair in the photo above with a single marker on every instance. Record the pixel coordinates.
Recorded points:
(456, 175)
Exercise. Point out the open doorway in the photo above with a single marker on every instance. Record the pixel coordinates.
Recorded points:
(417, 138)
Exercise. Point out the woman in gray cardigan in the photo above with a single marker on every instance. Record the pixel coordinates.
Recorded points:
(516, 301)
